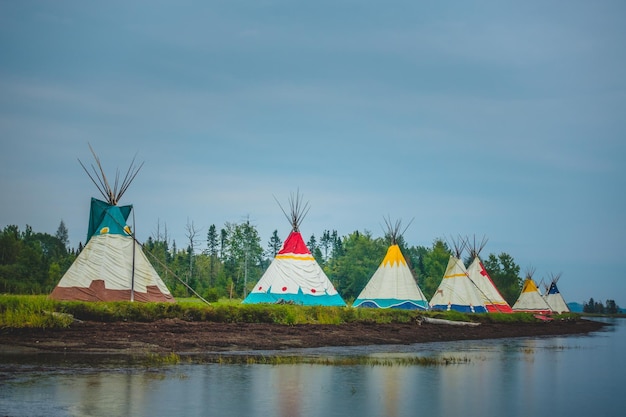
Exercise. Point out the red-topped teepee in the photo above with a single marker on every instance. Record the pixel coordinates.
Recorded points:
(492, 299)
(294, 276)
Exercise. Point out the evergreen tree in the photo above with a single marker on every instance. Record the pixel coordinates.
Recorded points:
(223, 240)
(611, 307)
(319, 258)
(211, 241)
(274, 245)
(10, 243)
(312, 243)
(243, 253)
(337, 245)
(360, 258)
(160, 258)
(598, 308)
(62, 234)
(326, 243)
(253, 255)
(434, 263)
(212, 247)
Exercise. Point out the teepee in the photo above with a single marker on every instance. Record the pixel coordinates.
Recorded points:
(530, 299)
(554, 298)
(456, 291)
(392, 285)
(492, 299)
(112, 266)
(294, 276)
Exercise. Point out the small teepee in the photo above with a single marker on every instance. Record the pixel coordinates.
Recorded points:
(554, 298)
(456, 291)
(112, 265)
(294, 276)
(393, 284)
(492, 299)
(530, 299)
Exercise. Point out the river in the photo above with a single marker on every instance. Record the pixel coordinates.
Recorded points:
(578, 375)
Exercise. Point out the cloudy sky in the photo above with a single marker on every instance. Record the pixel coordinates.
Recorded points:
(487, 118)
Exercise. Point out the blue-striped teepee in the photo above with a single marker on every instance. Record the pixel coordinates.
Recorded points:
(393, 284)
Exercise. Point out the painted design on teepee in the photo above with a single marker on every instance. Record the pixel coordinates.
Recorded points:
(294, 276)
(456, 291)
(393, 284)
(554, 298)
(491, 297)
(294, 248)
(530, 300)
(394, 257)
(112, 265)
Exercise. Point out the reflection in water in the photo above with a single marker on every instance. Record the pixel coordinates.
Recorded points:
(296, 389)
(288, 387)
(385, 389)
(571, 376)
(392, 384)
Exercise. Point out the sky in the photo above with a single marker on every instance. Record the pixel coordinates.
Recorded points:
(496, 119)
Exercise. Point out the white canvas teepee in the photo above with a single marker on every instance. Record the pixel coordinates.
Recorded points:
(456, 291)
(112, 265)
(530, 299)
(294, 276)
(492, 299)
(554, 298)
(392, 285)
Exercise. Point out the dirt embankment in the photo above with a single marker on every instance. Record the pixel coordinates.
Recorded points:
(166, 336)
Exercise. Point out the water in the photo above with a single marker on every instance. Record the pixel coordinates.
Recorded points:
(554, 376)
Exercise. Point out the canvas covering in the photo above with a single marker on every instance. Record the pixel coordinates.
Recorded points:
(456, 291)
(392, 285)
(530, 300)
(112, 265)
(491, 297)
(555, 299)
(295, 276)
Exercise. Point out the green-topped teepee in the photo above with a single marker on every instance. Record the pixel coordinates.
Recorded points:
(112, 265)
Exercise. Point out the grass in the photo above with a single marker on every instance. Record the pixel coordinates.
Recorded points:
(33, 311)
(340, 360)
(38, 311)
(156, 360)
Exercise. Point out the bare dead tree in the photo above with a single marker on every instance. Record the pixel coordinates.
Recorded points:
(191, 233)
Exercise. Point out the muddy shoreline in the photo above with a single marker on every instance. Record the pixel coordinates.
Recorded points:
(182, 337)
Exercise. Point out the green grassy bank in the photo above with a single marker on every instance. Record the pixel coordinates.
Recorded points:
(38, 311)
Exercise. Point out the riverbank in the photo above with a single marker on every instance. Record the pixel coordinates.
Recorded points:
(190, 337)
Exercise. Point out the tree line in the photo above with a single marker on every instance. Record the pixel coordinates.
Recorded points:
(234, 259)
(596, 307)
(32, 262)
